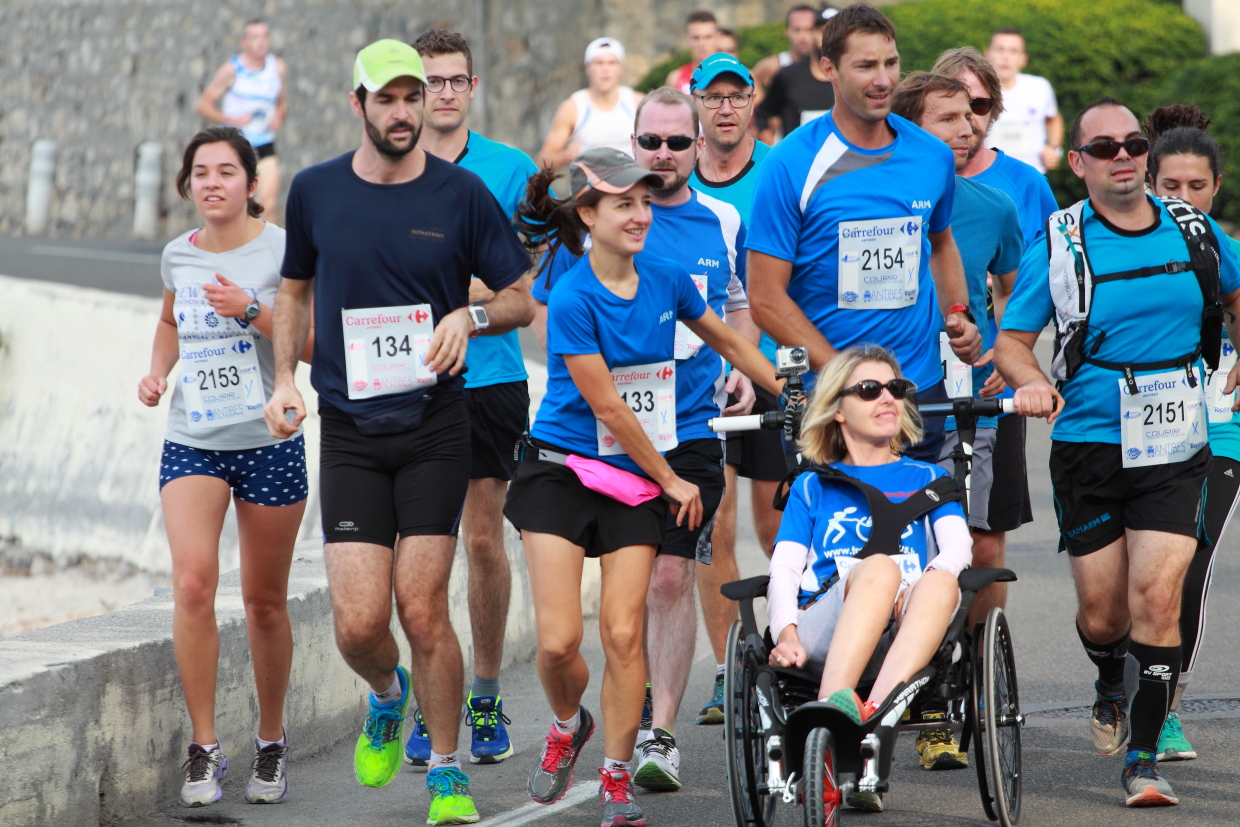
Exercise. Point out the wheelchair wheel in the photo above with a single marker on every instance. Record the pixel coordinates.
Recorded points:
(974, 716)
(823, 799)
(1001, 714)
(747, 767)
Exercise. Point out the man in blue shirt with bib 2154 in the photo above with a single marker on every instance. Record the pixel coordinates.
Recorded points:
(851, 220)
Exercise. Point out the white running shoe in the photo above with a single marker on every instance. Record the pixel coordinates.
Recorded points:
(268, 774)
(203, 773)
(658, 763)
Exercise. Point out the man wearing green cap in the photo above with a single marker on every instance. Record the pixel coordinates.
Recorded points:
(384, 239)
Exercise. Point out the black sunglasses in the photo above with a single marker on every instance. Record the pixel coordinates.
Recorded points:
(981, 106)
(1108, 149)
(871, 389)
(676, 143)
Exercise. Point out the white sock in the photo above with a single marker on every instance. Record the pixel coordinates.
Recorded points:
(210, 747)
(570, 726)
(264, 744)
(443, 760)
(720, 670)
(613, 765)
(392, 694)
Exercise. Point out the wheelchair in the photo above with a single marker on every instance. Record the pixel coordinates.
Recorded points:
(783, 745)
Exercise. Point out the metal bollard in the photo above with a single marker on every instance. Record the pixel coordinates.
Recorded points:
(39, 192)
(146, 190)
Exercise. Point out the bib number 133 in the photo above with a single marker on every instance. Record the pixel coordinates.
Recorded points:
(650, 393)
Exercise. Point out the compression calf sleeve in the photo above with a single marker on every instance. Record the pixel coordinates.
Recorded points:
(1157, 671)
(1110, 659)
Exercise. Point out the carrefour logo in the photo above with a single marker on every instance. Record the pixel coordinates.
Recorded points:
(911, 228)
(665, 374)
(1134, 453)
(242, 346)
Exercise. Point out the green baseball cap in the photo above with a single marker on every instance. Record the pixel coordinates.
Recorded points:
(384, 61)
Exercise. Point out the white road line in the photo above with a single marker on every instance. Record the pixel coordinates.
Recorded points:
(96, 255)
(537, 812)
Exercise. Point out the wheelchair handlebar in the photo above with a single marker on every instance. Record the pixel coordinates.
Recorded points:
(963, 405)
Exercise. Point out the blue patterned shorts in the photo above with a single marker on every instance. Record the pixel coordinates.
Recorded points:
(275, 475)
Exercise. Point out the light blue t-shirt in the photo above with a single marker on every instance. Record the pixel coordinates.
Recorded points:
(987, 231)
(505, 171)
(1149, 319)
(833, 519)
(585, 317)
(1028, 188)
(815, 187)
(705, 236)
(1225, 436)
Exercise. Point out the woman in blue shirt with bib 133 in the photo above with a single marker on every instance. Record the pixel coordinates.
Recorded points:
(825, 606)
(592, 478)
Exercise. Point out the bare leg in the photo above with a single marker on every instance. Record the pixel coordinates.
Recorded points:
(423, 566)
(718, 613)
(1101, 580)
(765, 517)
(931, 603)
(555, 581)
(490, 579)
(989, 549)
(268, 534)
(268, 189)
(360, 580)
(869, 591)
(194, 509)
(671, 635)
(626, 578)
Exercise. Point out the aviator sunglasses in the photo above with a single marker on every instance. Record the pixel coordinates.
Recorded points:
(676, 143)
(981, 106)
(871, 389)
(1108, 149)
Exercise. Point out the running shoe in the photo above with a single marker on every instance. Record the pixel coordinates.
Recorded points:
(1143, 784)
(645, 730)
(620, 807)
(712, 711)
(490, 743)
(848, 701)
(1108, 722)
(871, 802)
(658, 763)
(376, 758)
(551, 777)
(203, 773)
(268, 774)
(450, 799)
(938, 748)
(418, 747)
(1172, 745)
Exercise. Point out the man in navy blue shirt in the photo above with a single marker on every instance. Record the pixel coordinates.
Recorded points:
(385, 240)
(851, 220)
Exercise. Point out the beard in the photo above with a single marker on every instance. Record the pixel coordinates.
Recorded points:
(672, 187)
(975, 143)
(385, 146)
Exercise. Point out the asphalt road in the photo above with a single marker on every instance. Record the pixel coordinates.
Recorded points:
(1065, 783)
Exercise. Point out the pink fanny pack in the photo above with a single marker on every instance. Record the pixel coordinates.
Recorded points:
(613, 482)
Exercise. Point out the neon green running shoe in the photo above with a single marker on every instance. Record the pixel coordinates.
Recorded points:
(1172, 745)
(377, 757)
(450, 801)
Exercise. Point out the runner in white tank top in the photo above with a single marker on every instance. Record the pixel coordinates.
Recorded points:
(598, 116)
(248, 92)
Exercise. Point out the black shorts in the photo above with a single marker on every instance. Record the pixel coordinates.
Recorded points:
(699, 461)
(999, 485)
(266, 150)
(1096, 498)
(374, 488)
(758, 455)
(498, 415)
(548, 498)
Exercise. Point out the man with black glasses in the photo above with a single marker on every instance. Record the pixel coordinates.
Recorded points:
(1133, 284)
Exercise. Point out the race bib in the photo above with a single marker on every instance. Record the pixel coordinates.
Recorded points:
(384, 349)
(1019, 139)
(879, 263)
(1219, 403)
(650, 393)
(221, 382)
(910, 567)
(1165, 422)
(957, 374)
(687, 342)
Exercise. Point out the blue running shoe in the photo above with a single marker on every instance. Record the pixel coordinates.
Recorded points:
(418, 747)
(490, 743)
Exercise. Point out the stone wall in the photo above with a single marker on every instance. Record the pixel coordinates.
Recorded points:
(100, 77)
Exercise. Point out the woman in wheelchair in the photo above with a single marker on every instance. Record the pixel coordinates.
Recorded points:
(826, 607)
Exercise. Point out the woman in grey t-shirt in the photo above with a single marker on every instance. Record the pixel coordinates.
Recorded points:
(219, 287)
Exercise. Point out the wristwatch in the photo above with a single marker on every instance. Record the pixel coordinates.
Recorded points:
(478, 315)
(960, 308)
(252, 310)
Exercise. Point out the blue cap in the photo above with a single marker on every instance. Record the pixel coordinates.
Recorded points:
(719, 63)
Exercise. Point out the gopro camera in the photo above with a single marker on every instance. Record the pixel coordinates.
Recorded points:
(791, 361)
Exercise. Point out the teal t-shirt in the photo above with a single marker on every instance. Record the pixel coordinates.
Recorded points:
(1225, 436)
(496, 359)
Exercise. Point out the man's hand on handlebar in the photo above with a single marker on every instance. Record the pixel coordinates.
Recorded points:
(1039, 399)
